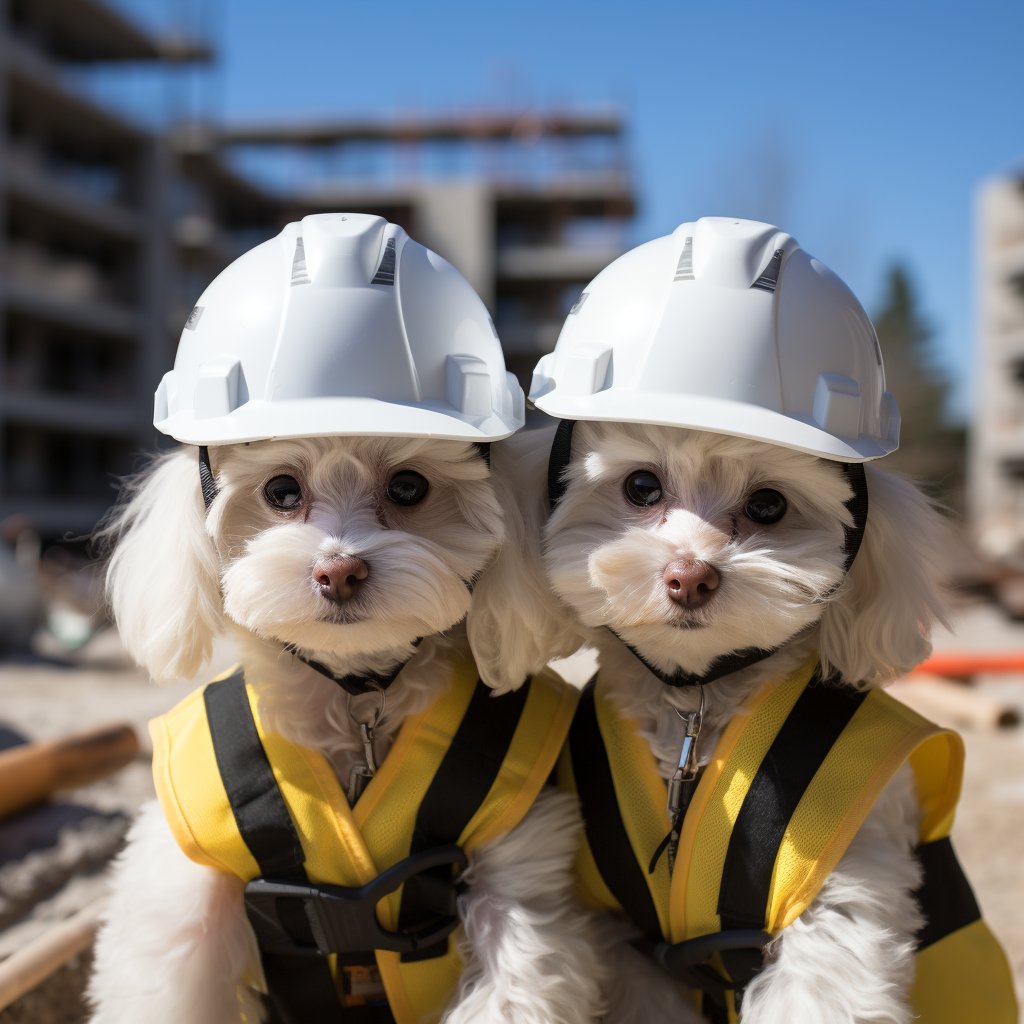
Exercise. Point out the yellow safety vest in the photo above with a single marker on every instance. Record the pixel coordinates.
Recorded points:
(789, 784)
(251, 803)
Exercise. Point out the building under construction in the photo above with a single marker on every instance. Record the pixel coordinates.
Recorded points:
(110, 230)
(83, 260)
(528, 206)
(996, 484)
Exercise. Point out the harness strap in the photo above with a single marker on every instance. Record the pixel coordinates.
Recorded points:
(788, 787)
(301, 988)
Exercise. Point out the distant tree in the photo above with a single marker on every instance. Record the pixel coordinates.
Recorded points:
(932, 447)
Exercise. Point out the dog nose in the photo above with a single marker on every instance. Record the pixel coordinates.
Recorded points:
(690, 582)
(340, 577)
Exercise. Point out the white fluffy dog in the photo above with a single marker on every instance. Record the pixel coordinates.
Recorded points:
(348, 549)
(657, 538)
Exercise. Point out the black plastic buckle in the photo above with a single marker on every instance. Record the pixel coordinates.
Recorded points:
(688, 960)
(343, 919)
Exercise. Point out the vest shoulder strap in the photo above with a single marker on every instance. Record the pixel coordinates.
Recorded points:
(623, 802)
(190, 788)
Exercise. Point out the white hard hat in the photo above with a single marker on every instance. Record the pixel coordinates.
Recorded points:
(342, 324)
(728, 326)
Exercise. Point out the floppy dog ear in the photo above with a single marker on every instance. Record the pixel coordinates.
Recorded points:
(516, 624)
(162, 574)
(879, 622)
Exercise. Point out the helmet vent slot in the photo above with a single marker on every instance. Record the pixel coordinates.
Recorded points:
(684, 269)
(386, 271)
(300, 272)
(769, 278)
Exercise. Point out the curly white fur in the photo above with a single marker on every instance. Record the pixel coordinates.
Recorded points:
(848, 958)
(175, 944)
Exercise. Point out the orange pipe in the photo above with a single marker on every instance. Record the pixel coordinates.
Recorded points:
(965, 664)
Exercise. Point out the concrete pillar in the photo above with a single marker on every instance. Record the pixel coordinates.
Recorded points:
(4, 32)
(456, 219)
(155, 271)
(995, 489)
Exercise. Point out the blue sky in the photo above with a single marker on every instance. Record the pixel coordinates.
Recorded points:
(863, 129)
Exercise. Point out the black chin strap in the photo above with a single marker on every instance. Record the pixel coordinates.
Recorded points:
(558, 461)
(858, 507)
(206, 482)
(561, 452)
(484, 450)
(355, 683)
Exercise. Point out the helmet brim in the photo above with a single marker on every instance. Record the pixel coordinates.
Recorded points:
(715, 415)
(335, 417)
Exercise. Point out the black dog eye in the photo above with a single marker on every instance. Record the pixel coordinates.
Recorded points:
(283, 492)
(407, 487)
(765, 507)
(642, 488)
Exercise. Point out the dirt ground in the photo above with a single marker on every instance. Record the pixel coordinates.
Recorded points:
(43, 700)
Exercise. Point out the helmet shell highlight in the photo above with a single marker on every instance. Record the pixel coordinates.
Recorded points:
(729, 326)
(341, 324)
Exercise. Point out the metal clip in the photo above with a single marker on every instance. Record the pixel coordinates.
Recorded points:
(360, 775)
(684, 775)
(687, 768)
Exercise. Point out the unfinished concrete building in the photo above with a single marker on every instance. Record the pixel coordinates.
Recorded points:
(529, 206)
(110, 230)
(83, 258)
(996, 466)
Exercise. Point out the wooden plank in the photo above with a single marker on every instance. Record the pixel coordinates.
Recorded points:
(29, 773)
(24, 970)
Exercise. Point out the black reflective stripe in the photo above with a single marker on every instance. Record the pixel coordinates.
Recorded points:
(301, 988)
(605, 830)
(944, 896)
(259, 809)
(459, 787)
(811, 729)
